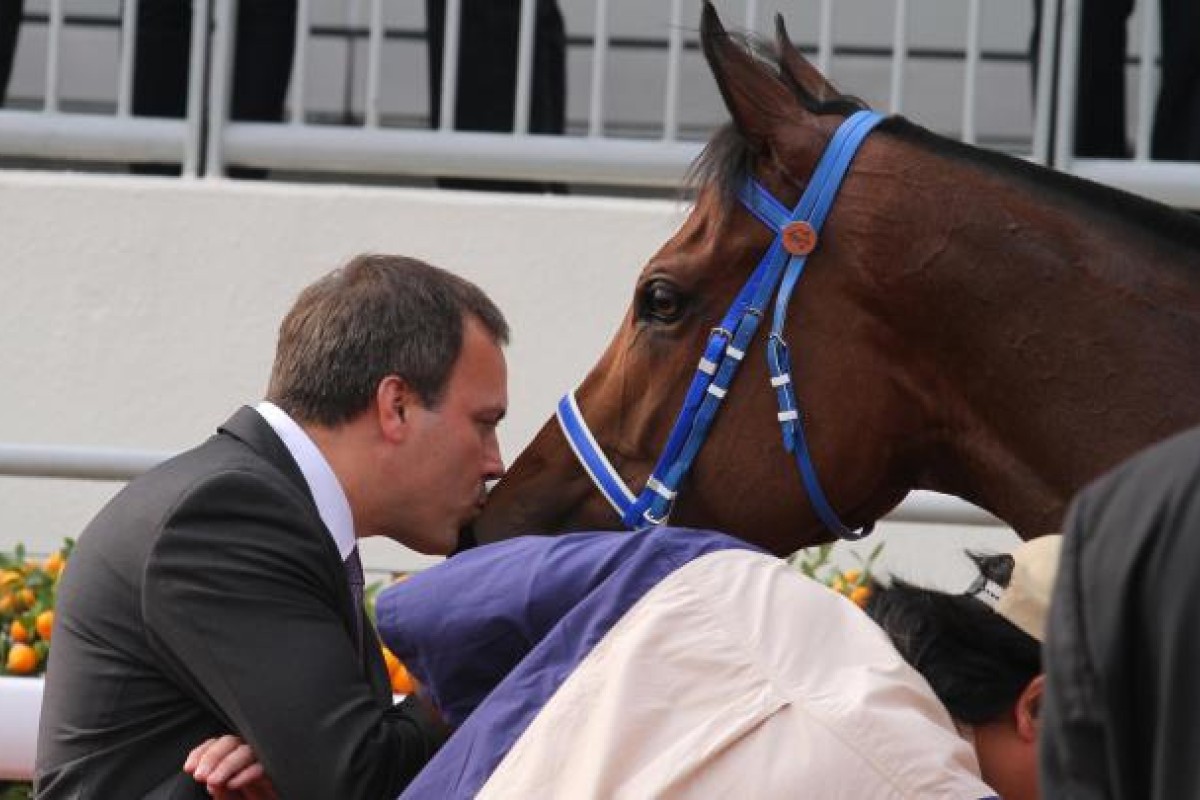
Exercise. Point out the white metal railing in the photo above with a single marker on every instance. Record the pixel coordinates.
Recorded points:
(51, 133)
(597, 156)
(116, 464)
(206, 140)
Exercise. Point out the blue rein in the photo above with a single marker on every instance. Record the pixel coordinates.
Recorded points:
(776, 275)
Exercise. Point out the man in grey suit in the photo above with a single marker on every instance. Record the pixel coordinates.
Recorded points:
(220, 593)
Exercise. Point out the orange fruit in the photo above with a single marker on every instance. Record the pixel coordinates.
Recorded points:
(54, 563)
(44, 624)
(852, 576)
(25, 598)
(398, 674)
(860, 596)
(22, 659)
(7, 602)
(19, 632)
(389, 658)
(402, 681)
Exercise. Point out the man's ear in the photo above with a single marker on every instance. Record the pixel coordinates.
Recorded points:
(1028, 710)
(394, 404)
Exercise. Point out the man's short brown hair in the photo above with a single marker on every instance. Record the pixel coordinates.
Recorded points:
(378, 315)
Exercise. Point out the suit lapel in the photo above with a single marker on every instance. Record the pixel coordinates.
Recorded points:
(248, 427)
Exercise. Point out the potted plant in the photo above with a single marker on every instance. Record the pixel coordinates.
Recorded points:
(856, 583)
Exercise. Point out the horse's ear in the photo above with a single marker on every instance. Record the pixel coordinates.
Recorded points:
(757, 99)
(798, 70)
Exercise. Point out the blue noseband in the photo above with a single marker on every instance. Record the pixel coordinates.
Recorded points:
(775, 276)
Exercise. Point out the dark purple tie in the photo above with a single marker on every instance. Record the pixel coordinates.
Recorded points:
(354, 576)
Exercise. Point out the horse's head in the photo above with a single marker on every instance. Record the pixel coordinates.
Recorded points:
(784, 115)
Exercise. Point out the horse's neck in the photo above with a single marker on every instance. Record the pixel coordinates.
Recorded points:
(1055, 343)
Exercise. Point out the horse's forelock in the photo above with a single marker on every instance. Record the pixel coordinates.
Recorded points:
(724, 163)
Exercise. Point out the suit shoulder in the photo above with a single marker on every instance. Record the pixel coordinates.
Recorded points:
(215, 475)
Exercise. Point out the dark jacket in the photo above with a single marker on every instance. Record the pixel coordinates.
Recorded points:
(207, 598)
(1123, 647)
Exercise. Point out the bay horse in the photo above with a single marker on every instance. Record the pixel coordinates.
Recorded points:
(969, 323)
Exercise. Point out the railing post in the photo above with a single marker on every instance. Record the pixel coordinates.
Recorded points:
(220, 84)
(1148, 77)
(374, 62)
(674, 52)
(971, 72)
(825, 38)
(197, 68)
(1047, 59)
(128, 49)
(524, 87)
(1068, 81)
(599, 65)
(53, 57)
(300, 65)
(450, 37)
(899, 55)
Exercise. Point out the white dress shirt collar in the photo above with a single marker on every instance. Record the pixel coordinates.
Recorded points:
(326, 489)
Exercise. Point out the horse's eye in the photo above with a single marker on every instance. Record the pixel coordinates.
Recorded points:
(660, 302)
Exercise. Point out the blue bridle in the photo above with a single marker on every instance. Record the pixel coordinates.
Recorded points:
(776, 275)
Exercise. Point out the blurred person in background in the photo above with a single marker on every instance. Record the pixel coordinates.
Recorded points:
(263, 48)
(1100, 106)
(488, 45)
(10, 26)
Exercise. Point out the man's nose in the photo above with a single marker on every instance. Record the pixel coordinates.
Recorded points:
(493, 464)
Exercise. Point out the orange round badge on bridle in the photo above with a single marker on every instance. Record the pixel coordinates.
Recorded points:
(799, 238)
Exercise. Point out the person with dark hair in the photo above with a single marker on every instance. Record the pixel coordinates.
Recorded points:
(981, 653)
(1123, 653)
(218, 598)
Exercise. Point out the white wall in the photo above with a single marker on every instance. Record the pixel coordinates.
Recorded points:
(139, 312)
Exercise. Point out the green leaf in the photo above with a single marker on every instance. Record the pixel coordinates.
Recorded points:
(16, 791)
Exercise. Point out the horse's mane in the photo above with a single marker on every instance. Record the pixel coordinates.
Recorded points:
(729, 157)
(1090, 197)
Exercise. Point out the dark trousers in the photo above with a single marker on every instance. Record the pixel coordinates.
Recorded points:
(1177, 118)
(263, 49)
(487, 73)
(1100, 98)
(10, 26)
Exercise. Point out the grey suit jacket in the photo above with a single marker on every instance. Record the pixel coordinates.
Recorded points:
(207, 597)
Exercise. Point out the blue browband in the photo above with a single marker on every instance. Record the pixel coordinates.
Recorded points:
(776, 275)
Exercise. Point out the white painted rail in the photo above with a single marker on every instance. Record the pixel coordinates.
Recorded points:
(116, 464)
